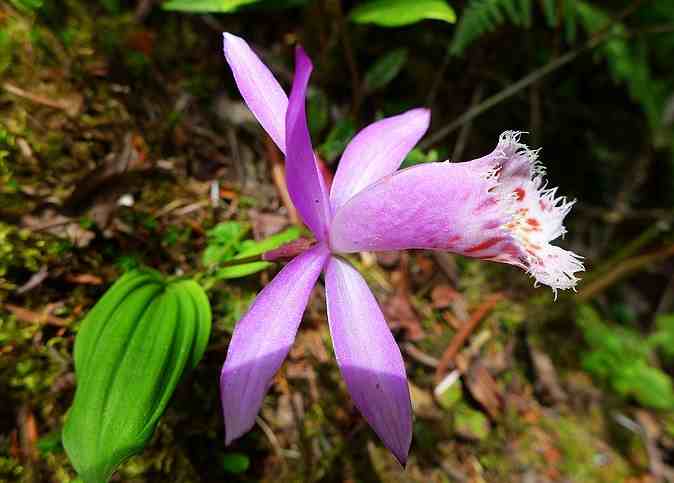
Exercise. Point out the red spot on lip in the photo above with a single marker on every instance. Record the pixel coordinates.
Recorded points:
(533, 222)
(519, 192)
(491, 225)
(490, 242)
(485, 204)
(453, 238)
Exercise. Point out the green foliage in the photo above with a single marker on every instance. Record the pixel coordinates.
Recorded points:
(337, 139)
(20, 250)
(235, 463)
(223, 242)
(50, 443)
(396, 13)
(385, 69)
(231, 305)
(226, 243)
(318, 111)
(6, 139)
(620, 357)
(483, 16)
(112, 6)
(663, 337)
(131, 352)
(228, 6)
(27, 5)
(627, 62)
(269, 5)
(201, 6)
(448, 397)
(6, 46)
(418, 156)
(470, 423)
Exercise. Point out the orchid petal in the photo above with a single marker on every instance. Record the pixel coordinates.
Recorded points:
(376, 151)
(262, 339)
(261, 91)
(495, 208)
(368, 357)
(305, 183)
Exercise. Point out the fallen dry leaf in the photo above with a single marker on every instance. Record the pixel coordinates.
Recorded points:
(442, 296)
(484, 389)
(547, 381)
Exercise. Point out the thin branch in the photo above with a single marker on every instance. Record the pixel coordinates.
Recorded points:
(350, 59)
(623, 270)
(597, 39)
(499, 97)
(27, 315)
(630, 249)
(460, 337)
(420, 356)
(279, 178)
(71, 108)
(435, 85)
(465, 130)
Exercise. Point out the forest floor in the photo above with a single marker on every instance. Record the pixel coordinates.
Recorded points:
(125, 143)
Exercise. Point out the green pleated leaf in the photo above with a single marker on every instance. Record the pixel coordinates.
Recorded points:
(395, 13)
(132, 351)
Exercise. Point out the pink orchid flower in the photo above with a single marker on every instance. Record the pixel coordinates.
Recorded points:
(495, 208)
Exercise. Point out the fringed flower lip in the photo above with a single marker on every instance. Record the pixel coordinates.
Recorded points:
(495, 208)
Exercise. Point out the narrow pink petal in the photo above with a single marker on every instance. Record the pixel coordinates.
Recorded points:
(376, 151)
(368, 357)
(262, 339)
(495, 208)
(261, 91)
(305, 183)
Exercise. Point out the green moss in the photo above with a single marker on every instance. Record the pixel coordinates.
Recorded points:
(450, 396)
(583, 456)
(470, 423)
(20, 250)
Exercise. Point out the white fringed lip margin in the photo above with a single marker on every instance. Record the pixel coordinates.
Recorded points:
(535, 214)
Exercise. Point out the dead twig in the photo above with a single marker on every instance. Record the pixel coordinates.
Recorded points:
(595, 40)
(35, 317)
(279, 178)
(418, 355)
(35, 280)
(630, 249)
(460, 337)
(623, 270)
(273, 440)
(356, 85)
(71, 108)
(84, 279)
(28, 433)
(464, 134)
